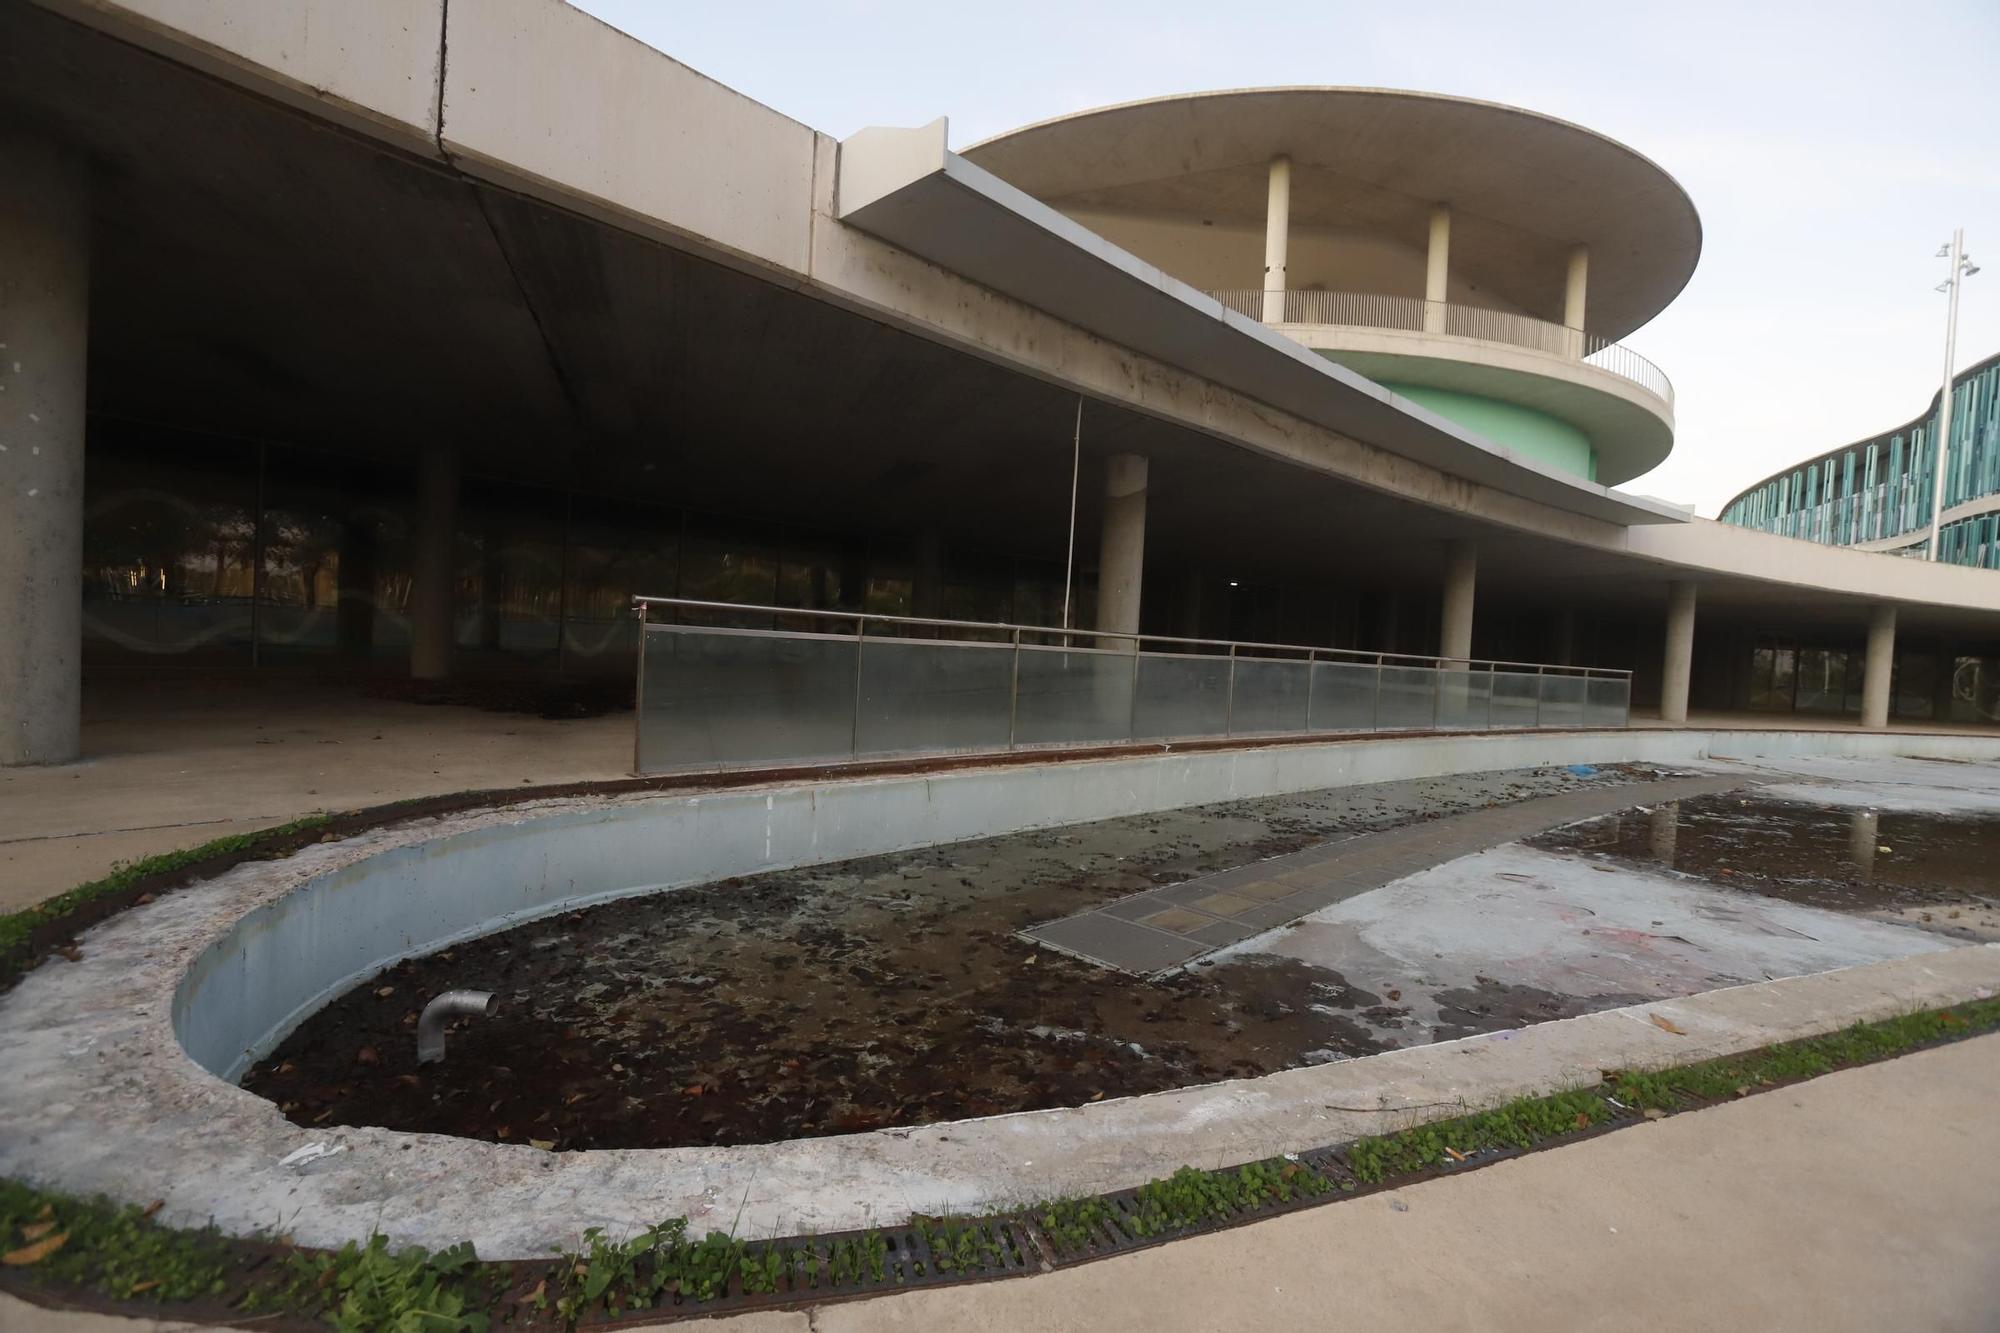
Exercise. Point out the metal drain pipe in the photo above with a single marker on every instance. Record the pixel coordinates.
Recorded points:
(440, 1011)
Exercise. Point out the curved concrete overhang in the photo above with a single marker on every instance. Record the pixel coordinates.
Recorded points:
(1706, 550)
(1524, 188)
(906, 187)
(1630, 428)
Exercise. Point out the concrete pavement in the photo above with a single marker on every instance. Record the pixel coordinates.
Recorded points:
(178, 764)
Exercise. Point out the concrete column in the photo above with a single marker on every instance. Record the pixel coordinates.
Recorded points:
(1437, 270)
(1461, 572)
(1677, 663)
(1121, 551)
(1575, 291)
(1277, 238)
(1880, 666)
(44, 321)
(432, 564)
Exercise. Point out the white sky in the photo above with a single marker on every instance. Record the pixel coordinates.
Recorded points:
(1830, 148)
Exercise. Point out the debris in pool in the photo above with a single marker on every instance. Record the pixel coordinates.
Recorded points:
(312, 1152)
(1580, 770)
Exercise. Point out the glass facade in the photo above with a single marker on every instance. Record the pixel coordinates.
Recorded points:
(1880, 489)
(202, 552)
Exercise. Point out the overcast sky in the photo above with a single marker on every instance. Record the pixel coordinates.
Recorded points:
(1829, 147)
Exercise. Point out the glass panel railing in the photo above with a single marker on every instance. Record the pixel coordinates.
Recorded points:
(1516, 699)
(1343, 696)
(1270, 697)
(1181, 695)
(738, 693)
(1562, 700)
(717, 698)
(921, 697)
(1071, 696)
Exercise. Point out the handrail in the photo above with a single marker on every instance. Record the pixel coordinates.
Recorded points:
(1414, 314)
(1312, 652)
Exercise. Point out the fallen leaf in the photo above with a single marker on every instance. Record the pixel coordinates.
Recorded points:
(502, 1132)
(48, 1210)
(1655, 1113)
(145, 898)
(1742, 1089)
(367, 1055)
(384, 992)
(34, 1254)
(1097, 1096)
(693, 1090)
(147, 1285)
(546, 1145)
(1395, 994)
(153, 1207)
(71, 952)
(1667, 1025)
(1583, 1120)
(37, 1230)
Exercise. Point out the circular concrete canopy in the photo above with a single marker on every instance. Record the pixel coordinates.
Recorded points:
(1523, 188)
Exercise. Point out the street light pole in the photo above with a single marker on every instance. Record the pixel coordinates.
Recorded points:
(1961, 267)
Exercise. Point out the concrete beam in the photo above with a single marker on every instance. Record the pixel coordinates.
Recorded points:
(44, 321)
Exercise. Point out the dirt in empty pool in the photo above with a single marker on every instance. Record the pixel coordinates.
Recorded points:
(1930, 870)
(884, 992)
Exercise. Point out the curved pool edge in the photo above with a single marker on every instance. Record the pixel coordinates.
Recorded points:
(106, 1101)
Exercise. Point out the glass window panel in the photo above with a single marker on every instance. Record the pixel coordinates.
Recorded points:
(1516, 699)
(617, 551)
(1562, 700)
(508, 600)
(168, 547)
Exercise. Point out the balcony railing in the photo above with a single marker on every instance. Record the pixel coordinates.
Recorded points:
(1370, 310)
(761, 686)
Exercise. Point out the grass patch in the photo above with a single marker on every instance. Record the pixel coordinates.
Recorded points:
(118, 1253)
(1809, 1057)
(18, 930)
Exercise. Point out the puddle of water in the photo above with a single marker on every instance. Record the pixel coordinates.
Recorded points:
(1892, 863)
(883, 992)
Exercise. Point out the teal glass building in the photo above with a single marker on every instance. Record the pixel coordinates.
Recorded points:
(1876, 493)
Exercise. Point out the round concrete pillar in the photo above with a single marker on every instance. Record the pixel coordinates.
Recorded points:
(432, 564)
(1121, 552)
(44, 321)
(1437, 270)
(1879, 667)
(1461, 573)
(1677, 663)
(1277, 238)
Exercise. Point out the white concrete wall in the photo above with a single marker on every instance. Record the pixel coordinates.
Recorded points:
(292, 955)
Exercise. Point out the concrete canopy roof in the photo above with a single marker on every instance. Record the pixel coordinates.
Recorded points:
(1523, 188)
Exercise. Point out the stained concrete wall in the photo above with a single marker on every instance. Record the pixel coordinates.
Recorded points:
(294, 954)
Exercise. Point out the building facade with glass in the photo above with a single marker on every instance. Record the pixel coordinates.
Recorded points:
(1876, 493)
(420, 349)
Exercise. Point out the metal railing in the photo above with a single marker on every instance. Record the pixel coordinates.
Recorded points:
(1371, 310)
(808, 687)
